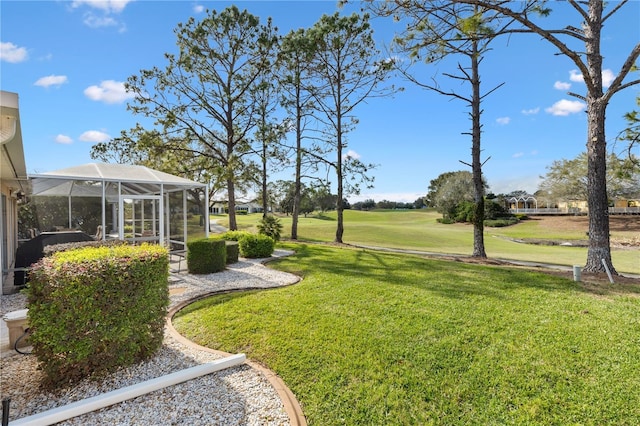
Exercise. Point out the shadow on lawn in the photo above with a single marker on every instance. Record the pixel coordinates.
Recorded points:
(447, 278)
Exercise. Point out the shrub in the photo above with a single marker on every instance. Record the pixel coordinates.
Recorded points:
(234, 235)
(48, 250)
(445, 220)
(498, 223)
(255, 246)
(271, 227)
(233, 251)
(206, 255)
(94, 309)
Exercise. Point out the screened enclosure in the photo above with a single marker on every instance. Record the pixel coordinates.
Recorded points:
(116, 201)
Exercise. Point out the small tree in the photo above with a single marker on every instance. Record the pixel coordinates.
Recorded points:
(455, 189)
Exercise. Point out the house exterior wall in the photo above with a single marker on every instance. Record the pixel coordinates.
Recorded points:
(13, 174)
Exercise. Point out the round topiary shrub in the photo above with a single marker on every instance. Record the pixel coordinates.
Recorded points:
(255, 246)
(206, 256)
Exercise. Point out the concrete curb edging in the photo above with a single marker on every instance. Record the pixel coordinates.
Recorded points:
(291, 405)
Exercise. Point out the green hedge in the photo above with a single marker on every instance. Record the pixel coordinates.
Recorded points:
(94, 309)
(234, 235)
(256, 246)
(206, 256)
(233, 251)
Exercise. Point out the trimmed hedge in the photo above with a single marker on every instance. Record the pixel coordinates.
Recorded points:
(233, 251)
(256, 246)
(48, 250)
(206, 256)
(234, 235)
(94, 309)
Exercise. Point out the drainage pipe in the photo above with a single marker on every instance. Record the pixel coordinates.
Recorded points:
(97, 402)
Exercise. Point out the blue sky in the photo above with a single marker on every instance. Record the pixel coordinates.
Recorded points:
(67, 60)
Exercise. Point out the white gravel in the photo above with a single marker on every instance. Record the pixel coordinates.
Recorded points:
(236, 396)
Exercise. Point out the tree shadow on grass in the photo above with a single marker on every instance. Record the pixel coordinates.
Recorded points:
(449, 278)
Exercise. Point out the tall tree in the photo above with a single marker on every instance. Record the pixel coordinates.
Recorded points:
(267, 132)
(203, 94)
(295, 60)
(433, 31)
(347, 71)
(587, 31)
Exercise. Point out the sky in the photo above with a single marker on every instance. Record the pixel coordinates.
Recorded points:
(68, 60)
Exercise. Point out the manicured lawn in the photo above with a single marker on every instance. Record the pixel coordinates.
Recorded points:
(419, 230)
(373, 339)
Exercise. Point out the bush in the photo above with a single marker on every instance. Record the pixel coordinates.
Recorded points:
(233, 251)
(498, 223)
(271, 227)
(94, 309)
(206, 256)
(256, 246)
(48, 250)
(234, 235)
(445, 220)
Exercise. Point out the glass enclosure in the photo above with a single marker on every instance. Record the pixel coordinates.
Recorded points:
(168, 214)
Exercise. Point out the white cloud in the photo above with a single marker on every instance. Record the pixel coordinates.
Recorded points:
(576, 76)
(565, 107)
(93, 21)
(198, 8)
(561, 85)
(352, 154)
(94, 136)
(503, 120)
(109, 91)
(518, 155)
(110, 6)
(51, 80)
(531, 111)
(607, 77)
(9, 52)
(64, 139)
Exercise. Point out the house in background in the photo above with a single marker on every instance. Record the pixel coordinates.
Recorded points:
(13, 184)
(221, 207)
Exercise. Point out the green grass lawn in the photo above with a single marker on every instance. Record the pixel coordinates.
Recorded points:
(419, 230)
(368, 338)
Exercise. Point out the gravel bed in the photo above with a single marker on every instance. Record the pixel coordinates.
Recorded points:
(235, 396)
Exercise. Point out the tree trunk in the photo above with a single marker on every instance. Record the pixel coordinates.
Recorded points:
(232, 204)
(298, 177)
(339, 203)
(599, 242)
(265, 200)
(476, 164)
